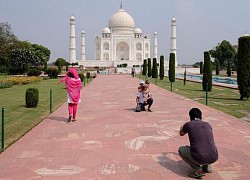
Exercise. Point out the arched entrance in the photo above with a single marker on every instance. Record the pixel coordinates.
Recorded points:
(122, 51)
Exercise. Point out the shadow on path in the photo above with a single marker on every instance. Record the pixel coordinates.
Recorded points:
(58, 118)
(168, 160)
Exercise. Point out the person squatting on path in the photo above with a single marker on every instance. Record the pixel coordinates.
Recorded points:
(202, 151)
(73, 86)
(143, 98)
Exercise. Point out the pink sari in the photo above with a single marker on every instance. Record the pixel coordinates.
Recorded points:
(73, 85)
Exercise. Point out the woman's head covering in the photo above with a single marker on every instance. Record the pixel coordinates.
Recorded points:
(74, 72)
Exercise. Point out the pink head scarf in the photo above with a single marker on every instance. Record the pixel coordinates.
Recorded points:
(73, 85)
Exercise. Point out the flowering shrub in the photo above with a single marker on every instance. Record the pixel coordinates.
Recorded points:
(6, 83)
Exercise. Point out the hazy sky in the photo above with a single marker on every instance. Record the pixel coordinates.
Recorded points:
(201, 24)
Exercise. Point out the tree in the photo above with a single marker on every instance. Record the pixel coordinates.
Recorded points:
(243, 67)
(41, 51)
(149, 68)
(154, 69)
(201, 67)
(23, 58)
(171, 73)
(229, 71)
(207, 74)
(60, 62)
(161, 67)
(145, 67)
(7, 39)
(223, 52)
(217, 67)
(196, 65)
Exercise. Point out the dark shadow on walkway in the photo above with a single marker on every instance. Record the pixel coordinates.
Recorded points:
(130, 109)
(178, 167)
(59, 118)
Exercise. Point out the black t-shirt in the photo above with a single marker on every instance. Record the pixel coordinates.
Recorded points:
(202, 145)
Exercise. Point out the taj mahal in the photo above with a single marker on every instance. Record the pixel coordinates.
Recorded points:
(120, 42)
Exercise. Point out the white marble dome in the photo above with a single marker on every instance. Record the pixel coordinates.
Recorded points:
(138, 31)
(120, 21)
(106, 30)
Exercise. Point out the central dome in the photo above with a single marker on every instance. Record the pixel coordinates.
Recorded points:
(121, 20)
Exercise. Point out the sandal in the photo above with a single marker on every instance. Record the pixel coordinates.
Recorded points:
(196, 175)
(73, 120)
(70, 117)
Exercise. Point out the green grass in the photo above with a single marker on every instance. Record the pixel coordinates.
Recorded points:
(19, 119)
(220, 98)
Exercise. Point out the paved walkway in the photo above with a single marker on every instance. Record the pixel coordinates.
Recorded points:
(111, 141)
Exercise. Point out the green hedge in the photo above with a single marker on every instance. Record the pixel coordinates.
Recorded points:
(32, 97)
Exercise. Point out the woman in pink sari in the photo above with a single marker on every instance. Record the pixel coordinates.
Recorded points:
(73, 86)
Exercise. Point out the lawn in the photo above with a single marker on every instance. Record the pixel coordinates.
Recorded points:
(19, 119)
(220, 98)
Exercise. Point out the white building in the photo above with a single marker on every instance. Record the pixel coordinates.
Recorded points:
(119, 43)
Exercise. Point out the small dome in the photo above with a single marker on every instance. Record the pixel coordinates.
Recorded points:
(72, 18)
(155, 33)
(246, 34)
(83, 32)
(121, 19)
(173, 19)
(106, 30)
(138, 31)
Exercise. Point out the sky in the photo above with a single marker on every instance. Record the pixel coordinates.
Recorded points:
(201, 24)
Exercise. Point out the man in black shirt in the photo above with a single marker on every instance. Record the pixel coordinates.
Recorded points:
(202, 151)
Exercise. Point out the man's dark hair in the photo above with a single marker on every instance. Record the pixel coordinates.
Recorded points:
(195, 113)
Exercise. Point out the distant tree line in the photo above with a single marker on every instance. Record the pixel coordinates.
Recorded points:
(16, 56)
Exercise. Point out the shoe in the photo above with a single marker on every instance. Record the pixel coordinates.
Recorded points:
(70, 117)
(196, 175)
(73, 120)
(207, 168)
(150, 110)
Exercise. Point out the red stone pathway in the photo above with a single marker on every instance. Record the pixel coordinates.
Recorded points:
(111, 141)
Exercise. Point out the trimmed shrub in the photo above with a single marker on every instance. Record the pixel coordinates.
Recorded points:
(34, 72)
(207, 74)
(217, 67)
(145, 67)
(31, 97)
(243, 71)
(154, 69)
(149, 68)
(161, 67)
(201, 67)
(185, 77)
(171, 74)
(52, 73)
(229, 71)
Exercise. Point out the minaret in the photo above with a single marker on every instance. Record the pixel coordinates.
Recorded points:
(173, 48)
(72, 45)
(155, 46)
(83, 46)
